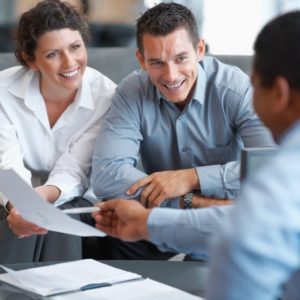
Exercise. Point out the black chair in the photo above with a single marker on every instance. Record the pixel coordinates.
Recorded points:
(7, 43)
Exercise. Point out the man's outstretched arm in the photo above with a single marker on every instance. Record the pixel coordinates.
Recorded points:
(182, 231)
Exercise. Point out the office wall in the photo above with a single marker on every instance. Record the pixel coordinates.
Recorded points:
(115, 11)
(107, 11)
(21, 5)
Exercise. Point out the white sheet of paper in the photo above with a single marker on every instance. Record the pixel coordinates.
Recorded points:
(38, 211)
(65, 277)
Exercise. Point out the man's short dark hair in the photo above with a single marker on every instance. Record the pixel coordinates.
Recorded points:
(277, 50)
(163, 19)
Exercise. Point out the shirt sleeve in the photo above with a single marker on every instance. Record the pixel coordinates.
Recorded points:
(189, 231)
(71, 171)
(116, 155)
(258, 248)
(223, 181)
(11, 156)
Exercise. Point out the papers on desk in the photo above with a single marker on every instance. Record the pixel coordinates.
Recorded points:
(64, 281)
(38, 211)
(66, 277)
(146, 289)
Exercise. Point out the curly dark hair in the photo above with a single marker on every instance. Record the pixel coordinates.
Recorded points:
(163, 19)
(277, 50)
(47, 15)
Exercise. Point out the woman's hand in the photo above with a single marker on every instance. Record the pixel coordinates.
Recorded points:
(21, 227)
(48, 192)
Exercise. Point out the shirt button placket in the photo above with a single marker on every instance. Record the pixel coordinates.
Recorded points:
(182, 139)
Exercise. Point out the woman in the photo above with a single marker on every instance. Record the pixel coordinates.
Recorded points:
(51, 108)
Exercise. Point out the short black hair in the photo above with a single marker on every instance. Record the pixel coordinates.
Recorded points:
(162, 19)
(277, 50)
(47, 15)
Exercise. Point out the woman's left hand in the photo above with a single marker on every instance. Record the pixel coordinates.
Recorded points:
(21, 227)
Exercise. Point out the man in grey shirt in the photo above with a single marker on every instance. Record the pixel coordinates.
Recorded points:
(184, 115)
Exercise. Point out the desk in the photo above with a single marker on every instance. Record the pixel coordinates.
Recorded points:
(188, 276)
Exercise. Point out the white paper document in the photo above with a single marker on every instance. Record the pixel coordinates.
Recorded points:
(64, 281)
(38, 211)
(67, 277)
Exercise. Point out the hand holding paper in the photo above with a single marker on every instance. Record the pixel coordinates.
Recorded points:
(21, 227)
(36, 210)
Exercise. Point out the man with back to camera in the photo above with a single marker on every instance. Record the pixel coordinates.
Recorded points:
(186, 120)
(257, 254)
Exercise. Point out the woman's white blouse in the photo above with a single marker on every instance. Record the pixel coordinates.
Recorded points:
(61, 155)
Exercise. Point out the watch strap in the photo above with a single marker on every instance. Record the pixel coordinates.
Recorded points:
(188, 200)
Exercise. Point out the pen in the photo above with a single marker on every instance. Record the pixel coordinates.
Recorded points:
(94, 286)
(81, 210)
(91, 286)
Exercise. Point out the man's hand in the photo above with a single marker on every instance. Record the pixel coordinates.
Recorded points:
(125, 219)
(21, 227)
(163, 185)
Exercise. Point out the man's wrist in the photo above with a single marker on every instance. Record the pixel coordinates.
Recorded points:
(194, 179)
(181, 201)
(201, 201)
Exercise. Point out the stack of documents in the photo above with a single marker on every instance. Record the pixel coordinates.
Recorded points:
(88, 279)
(66, 277)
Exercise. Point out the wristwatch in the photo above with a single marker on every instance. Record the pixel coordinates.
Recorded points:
(188, 200)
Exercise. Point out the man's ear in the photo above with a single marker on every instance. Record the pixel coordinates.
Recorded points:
(140, 58)
(200, 49)
(281, 94)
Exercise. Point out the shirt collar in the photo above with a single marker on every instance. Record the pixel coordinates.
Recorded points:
(199, 92)
(200, 89)
(84, 94)
(20, 86)
(26, 89)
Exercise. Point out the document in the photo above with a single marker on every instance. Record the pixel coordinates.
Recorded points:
(38, 211)
(66, 277)
(89, 280)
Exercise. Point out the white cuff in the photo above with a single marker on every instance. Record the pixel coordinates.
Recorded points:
(3, 200)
